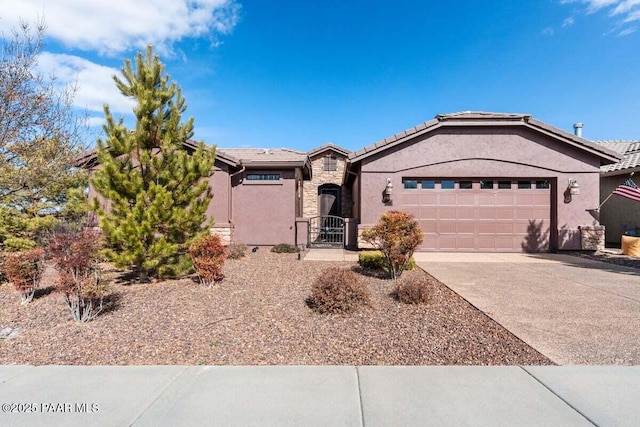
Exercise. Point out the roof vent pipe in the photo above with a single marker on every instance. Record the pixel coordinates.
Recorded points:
(577, 129)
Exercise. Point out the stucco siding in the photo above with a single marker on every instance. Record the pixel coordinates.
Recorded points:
(219, 206)
(264, 211)
(487, 153)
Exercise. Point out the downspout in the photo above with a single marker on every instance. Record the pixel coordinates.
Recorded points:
(230, 204)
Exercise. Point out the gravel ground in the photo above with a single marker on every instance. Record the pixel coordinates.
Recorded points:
(257, 316)
(611, 256)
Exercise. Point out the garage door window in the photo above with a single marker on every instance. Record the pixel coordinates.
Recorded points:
(524, 185)
(410, 184)
(542, 185)
(504, 185)
(447, 185)
(486, 185)
(466, 185)
(428, 184)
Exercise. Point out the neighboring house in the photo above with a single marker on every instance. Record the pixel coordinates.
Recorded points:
(475, 181)
(483, 182)
(619, 215)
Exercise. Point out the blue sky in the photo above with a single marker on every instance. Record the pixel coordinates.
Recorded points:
(298, 74)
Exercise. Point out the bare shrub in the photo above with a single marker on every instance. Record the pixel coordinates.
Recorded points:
(412, 289)
(237, 250)
(208, 255)
(76, 257)
(24, 269)
(337, 290)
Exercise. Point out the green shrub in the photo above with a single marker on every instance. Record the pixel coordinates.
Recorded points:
(284, 248)
(412, 289)
(24, 269)
(208, 255)
(374, 260)
(397, 234)
(17, 244)
(237, 250)
(337, 290)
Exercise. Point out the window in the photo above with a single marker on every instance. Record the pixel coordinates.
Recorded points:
(263, 176)
(486, 185)
(504, 185)
(466, 185)
(447, 185)
(428, 184)
(330, 163)
(410, 184)
(524, 185)
(542, 185)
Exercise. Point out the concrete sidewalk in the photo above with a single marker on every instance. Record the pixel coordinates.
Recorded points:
(573, 310)
(319, 395)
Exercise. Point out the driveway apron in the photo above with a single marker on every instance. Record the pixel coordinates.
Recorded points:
(572, 310)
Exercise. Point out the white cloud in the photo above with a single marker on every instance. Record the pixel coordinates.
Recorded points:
(118, 26)
(547, 31)
(629, 10)
(95, 83)
(628, 31)
(568, 22)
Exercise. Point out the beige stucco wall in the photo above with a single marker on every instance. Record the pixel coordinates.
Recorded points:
(618, 212)
(320, 177)
(512, 152)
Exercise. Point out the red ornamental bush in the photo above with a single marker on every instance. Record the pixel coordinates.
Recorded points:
(397, 235)
(24, 269)
(76, 257)
(208, 255)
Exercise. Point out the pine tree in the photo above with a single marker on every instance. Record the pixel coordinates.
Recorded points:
(158, 192)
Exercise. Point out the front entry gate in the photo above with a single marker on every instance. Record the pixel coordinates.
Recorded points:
(326, 232)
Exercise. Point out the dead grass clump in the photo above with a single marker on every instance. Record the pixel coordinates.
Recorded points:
(412, 289)
(337, 290)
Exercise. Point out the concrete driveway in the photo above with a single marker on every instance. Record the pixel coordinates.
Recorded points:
(573, 310)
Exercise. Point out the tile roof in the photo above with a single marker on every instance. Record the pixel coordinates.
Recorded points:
(265, 155)
(630, 149)
(329, 146)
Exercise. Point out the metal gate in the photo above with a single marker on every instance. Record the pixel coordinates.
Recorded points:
(326, 231)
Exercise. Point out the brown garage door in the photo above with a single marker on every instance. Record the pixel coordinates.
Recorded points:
(480, 215)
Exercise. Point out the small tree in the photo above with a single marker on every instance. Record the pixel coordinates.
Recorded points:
(40, 135)
(24, 269)
(397, 235)
(158, 191)
(208, 255)
(76, 257)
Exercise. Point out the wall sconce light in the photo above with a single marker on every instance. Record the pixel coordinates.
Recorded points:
(388, 190)
(574, 188)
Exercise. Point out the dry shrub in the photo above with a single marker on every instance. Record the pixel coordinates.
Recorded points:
(337, 290)
(24, 269)
(284, 248)
(208, 255)
(76, 255)
(412, 289)
(237, 250)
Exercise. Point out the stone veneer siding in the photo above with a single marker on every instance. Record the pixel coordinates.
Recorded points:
(592, 238)
(321, 177)
(222, 230)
